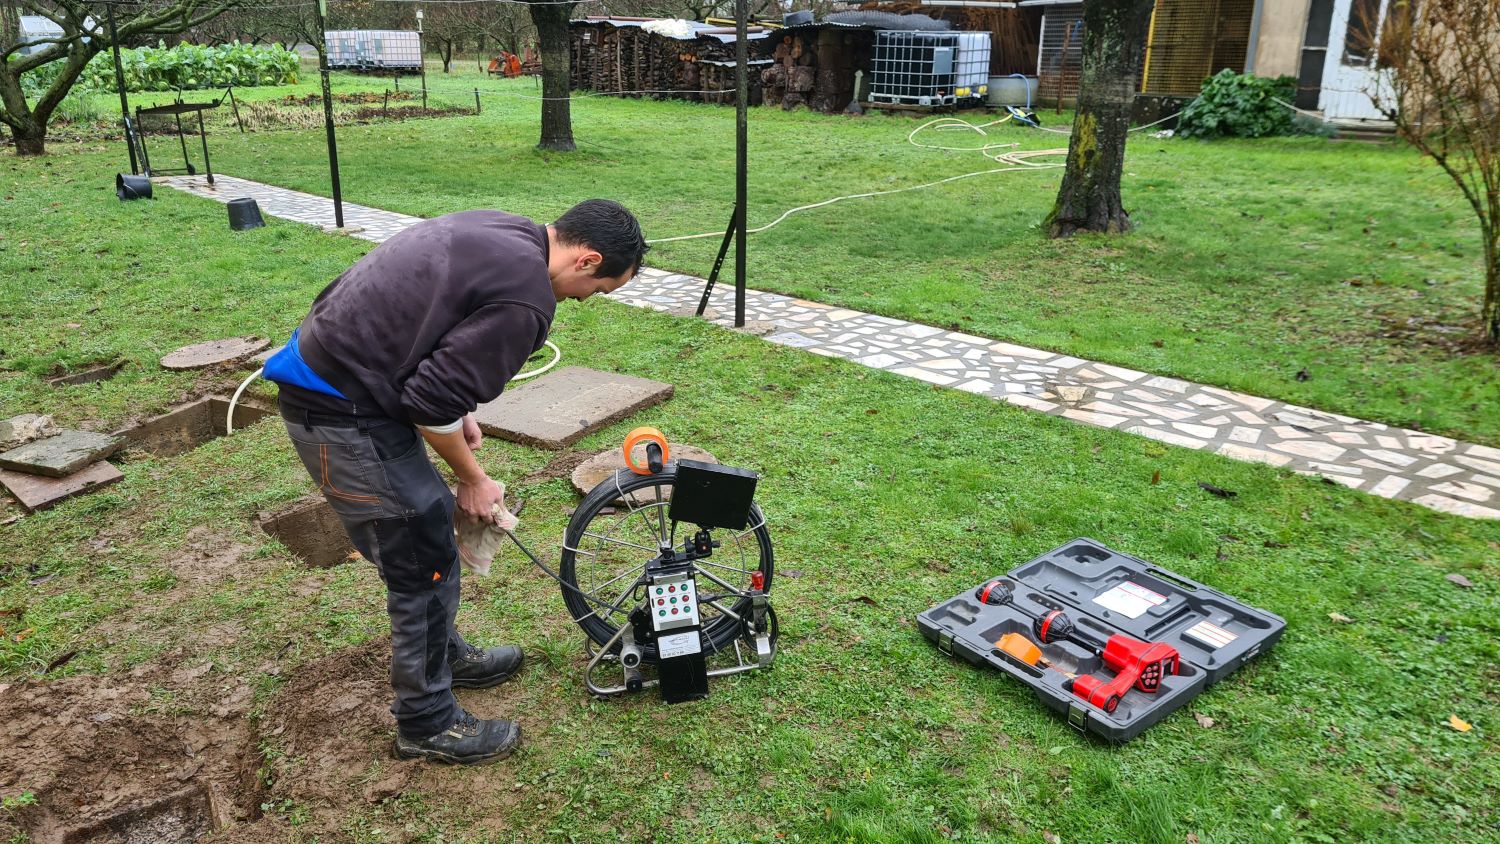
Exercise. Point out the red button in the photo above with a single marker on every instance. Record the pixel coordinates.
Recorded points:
(671, 588)
(660, 601)
(674, 611)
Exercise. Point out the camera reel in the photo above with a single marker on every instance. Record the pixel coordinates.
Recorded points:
(651, 603)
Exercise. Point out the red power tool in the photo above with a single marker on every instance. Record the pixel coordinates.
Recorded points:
(1135, 663)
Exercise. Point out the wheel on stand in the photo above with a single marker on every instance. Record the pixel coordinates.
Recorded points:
(620, 526)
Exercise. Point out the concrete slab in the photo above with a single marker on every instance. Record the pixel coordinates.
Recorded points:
(38, 493)
(25, 428)
(87, 375)
(562, 407)
(603, 466)
(62, 455)
(214, 352)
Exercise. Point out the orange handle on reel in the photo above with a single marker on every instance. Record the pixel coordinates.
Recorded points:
(656, 450)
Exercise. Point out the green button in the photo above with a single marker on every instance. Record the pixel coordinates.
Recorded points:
(658, 590)
(661, 612)
(674, 600)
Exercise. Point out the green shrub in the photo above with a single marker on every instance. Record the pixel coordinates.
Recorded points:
(1239, 105)
(186, 66)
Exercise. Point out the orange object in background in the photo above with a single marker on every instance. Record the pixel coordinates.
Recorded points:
(1020, 647)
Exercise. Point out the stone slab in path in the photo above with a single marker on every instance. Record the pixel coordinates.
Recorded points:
(62, 455)
(214, 352)
(562, 407)
(38, 493)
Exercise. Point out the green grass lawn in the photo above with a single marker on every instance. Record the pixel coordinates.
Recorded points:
(1252, 262)
(887, 495)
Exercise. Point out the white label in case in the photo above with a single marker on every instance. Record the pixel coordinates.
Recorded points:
(681, 644)
(1210, 634)
(1129, 599)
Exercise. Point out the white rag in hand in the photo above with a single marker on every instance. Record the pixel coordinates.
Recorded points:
(479, 542)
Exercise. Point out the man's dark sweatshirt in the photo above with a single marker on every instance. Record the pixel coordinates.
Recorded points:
(431, 323)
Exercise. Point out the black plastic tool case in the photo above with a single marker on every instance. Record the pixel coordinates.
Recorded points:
(1106, 592)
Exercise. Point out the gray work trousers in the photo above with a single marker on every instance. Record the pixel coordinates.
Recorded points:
(398, 512)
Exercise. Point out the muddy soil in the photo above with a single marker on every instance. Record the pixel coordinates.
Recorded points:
(162, 753)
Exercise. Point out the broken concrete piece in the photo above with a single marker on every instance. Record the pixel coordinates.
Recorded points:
(214, 352)
(562, 407)
(39, 493)
(757, 327)
(61, 455)
(18, 430)
(602, 466)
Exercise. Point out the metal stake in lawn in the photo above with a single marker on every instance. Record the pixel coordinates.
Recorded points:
(321, 10)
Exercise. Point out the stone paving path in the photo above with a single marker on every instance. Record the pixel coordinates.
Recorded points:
(1437, 472)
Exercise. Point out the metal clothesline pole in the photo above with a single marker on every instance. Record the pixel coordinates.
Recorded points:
(741, 80)
(321, 11)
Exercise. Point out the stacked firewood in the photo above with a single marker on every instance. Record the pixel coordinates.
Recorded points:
(629, 60)
(815, 67)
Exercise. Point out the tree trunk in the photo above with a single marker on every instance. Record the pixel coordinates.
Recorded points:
(447, 54)
(552, 30)
(31, 140)
(1114, 33)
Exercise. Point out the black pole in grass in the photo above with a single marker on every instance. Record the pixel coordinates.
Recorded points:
(114, 42)
(741, 55)
(321, 10)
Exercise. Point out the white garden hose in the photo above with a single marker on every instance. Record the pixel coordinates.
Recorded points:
(520, 376)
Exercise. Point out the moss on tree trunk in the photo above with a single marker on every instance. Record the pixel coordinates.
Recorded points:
(1114, 33)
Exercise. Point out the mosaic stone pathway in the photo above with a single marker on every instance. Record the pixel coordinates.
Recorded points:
(1437, 472)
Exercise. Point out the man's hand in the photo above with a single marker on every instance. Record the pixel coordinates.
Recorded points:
(473, 437)
(477, 494)
(477, 500)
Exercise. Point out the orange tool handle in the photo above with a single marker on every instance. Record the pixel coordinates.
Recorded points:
(647, 435)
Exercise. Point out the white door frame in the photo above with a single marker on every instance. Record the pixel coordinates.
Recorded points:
(1349, 91)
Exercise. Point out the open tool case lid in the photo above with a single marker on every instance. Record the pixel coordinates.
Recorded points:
(1105, 593)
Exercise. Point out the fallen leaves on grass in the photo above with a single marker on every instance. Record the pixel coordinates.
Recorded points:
(1459, 580)
(1340, 618)
(1459, 724)
(1156, 477)
(1051, 837)
(1203, 720)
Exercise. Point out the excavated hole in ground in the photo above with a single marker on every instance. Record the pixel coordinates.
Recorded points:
(311, 530)
(185, 428)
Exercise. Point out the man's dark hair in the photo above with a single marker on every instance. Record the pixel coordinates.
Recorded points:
(608, 228)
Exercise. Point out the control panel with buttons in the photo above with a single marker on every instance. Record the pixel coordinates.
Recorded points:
(673, 602)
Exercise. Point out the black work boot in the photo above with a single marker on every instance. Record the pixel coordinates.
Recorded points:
(475, 668)
(469, 741)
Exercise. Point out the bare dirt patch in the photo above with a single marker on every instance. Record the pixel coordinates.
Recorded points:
(164, 753)
(561, 466)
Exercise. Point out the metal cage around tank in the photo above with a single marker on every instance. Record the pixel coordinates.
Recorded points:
(925, 68)
(374, 50)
